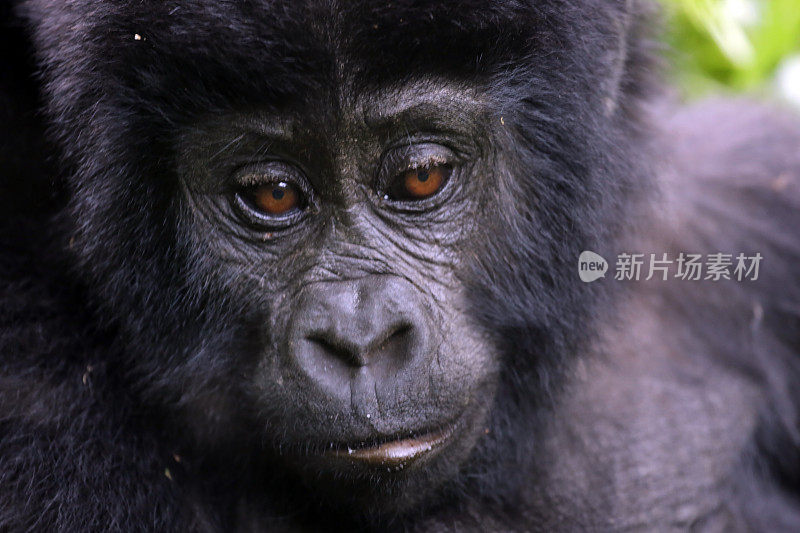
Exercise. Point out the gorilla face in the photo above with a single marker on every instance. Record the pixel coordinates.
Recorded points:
(337, 240)
(342, 238)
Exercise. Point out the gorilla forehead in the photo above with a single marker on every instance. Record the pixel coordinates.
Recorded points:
(318, 41)
(364, 118)
(228, 53)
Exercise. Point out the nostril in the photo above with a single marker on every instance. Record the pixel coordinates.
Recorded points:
(336, 350)
(393, 343)
(394, 336)
(392, 351)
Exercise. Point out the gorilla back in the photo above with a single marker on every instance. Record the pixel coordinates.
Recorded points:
(311, 266)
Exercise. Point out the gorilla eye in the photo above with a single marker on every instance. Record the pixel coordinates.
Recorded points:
(274, 195)
(276, 198)
(419, 183)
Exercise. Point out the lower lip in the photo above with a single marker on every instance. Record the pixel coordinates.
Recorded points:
(396, 454)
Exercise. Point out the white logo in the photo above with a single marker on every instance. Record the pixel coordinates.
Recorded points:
(591, 266)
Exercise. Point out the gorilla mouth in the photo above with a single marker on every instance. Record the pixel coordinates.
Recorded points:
(397, 453)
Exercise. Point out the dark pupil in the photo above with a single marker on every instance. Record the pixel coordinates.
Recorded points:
(278, 193)
(422, 175)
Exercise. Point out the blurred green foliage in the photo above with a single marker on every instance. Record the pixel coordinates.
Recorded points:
(731, 44)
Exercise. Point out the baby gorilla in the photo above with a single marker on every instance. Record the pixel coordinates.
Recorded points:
(312, 266)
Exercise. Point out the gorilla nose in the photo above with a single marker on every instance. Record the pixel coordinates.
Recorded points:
(358, 344)
(341, 328)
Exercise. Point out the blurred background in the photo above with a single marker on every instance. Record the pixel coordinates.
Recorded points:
(734, 46)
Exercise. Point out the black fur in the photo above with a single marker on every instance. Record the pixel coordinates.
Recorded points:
(122, 405)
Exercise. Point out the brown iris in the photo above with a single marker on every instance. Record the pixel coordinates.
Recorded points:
(420, 183)
(276, 198)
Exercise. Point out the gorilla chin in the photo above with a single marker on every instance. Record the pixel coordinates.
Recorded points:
(392, 474)
(378, 477)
